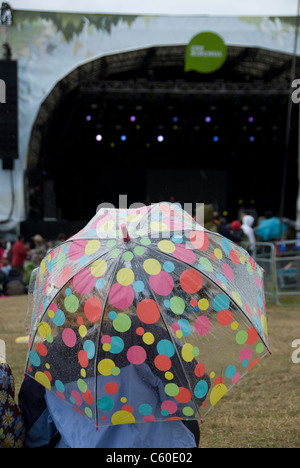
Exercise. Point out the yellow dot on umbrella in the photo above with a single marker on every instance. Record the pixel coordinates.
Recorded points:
(123, 399)
(158, 226)
(83, 373)
(152, 266)
(169, 375)
(148, 338)
(166, 246)
(82, 331)
(106, 347)
(234, 325)
(236, 296)
(92, 247)
(133, 217)
(125, 276)
(44, 329)
(107, 226)
(98, 268)
(51, 314)
(42, 267)
(47, 365)
(218, 253)
(203, 304)
(212, 375)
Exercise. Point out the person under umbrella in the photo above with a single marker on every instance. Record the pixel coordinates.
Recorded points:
(125, 329)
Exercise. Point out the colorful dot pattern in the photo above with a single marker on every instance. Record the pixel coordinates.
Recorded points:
(157, 328)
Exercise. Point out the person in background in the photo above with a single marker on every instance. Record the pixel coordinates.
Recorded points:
(60, 239)
(247, 228)
(19, 253)
(12, 429)
(236, 231)
(207, 212)
(2, 250)
(6, 266)
(40, 249)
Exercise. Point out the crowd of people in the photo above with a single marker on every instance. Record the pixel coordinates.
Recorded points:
(247, 229)
(19, 259)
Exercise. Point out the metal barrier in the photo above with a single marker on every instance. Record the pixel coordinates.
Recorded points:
(281, 262)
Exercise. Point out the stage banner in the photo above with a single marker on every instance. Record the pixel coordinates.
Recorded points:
(205, 53)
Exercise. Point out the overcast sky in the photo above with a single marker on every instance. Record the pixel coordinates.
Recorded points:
(200, 7)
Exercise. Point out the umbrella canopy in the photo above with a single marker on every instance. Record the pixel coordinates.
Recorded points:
(145, 316)
(270, 229)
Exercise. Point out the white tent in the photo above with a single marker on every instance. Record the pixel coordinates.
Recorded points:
(45, 56)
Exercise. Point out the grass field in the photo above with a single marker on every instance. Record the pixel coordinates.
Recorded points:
(262, 410)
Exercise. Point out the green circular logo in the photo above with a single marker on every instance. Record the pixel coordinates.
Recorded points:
(205, 53)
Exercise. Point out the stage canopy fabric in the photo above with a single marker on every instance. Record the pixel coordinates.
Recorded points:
(48, 46)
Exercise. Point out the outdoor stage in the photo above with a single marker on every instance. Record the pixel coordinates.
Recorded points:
(107, 106)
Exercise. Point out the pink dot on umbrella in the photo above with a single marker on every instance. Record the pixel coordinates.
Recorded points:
(121, 296)
(170, 406)
(106, 339)
(202, 325)
(77, 249)
(162, 283)
(64, 276)
(199, 240)
(77, 397)
(257, 281)
(228, 272)
(69, 337)
(236, 377)
(53, 307)
(246, 353)
(136, 355)
(149, 418)
(84, 281)
(184, 254)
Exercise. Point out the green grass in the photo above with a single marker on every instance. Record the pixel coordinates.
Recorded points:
(262, 410)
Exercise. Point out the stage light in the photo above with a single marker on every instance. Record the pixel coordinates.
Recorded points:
(133, 118)
(160, 138)
(251, 119)
(175, 119)
(88, 118)
(207, 119)
(216, 138)
(123, 138)
(98, 137)
(251, 138)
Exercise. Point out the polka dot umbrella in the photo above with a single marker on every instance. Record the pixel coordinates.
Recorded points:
(145, 316)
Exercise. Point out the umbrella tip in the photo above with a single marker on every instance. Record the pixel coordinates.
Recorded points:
(125, 234)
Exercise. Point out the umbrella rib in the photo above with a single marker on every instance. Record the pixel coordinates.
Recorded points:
(99, 334)
(173, 342)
